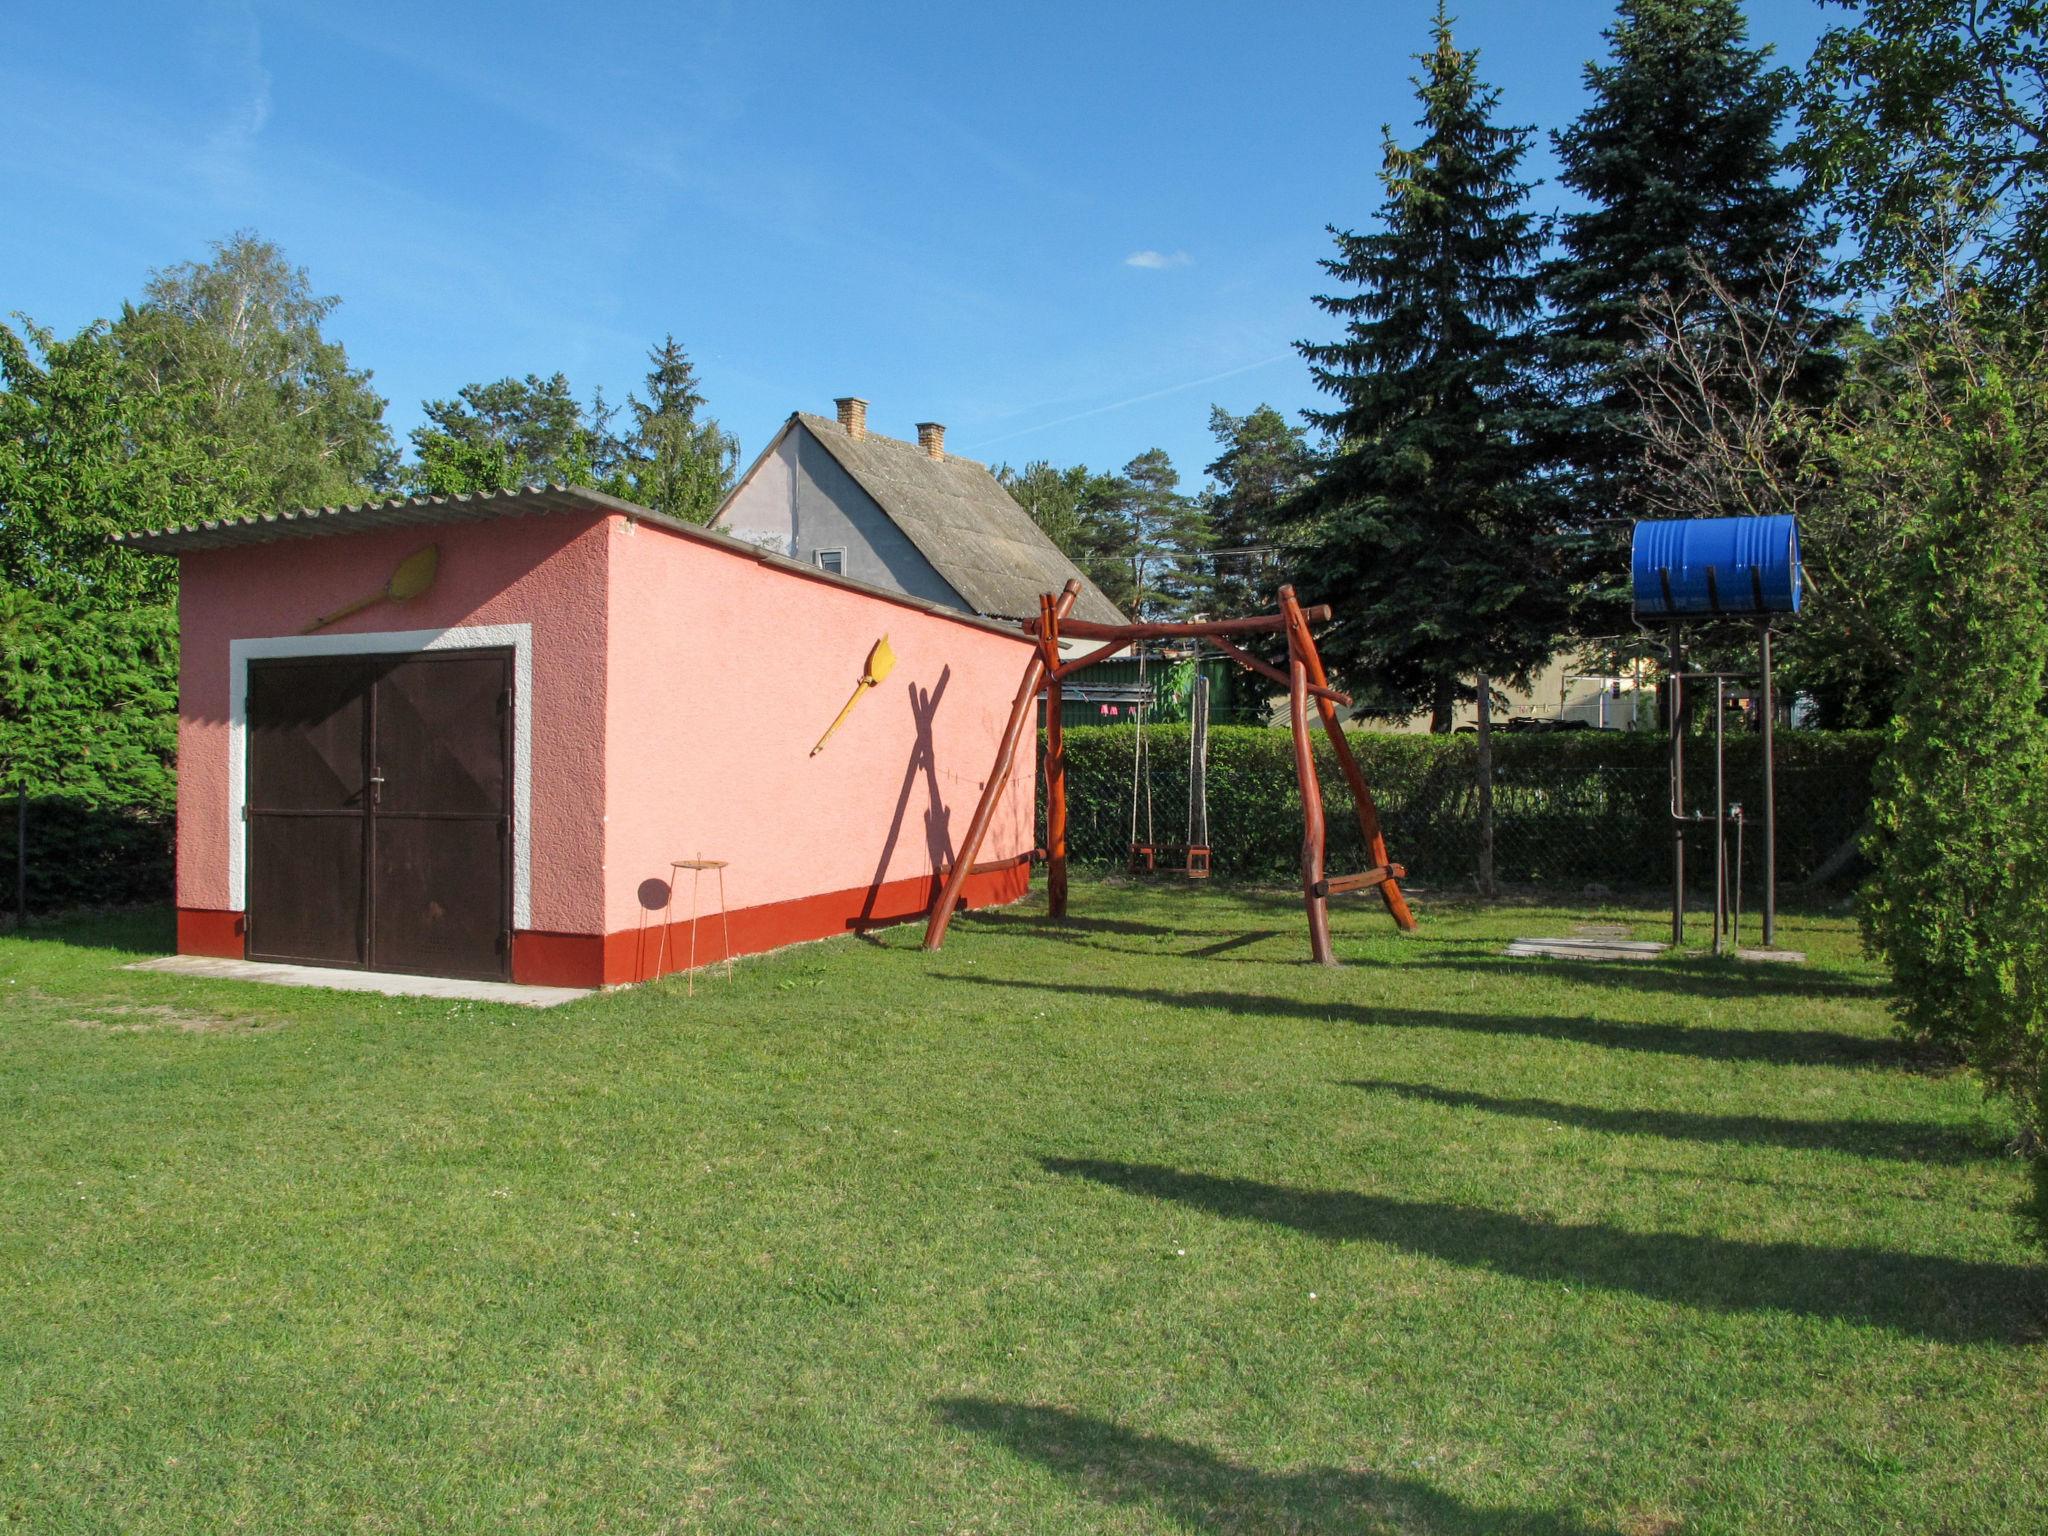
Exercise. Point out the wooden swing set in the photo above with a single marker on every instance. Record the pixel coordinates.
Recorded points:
(1306, 684)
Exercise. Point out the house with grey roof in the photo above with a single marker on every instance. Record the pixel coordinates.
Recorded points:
(907, 517)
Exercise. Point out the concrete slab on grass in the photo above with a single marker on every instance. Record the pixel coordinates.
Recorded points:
(1773, 956)
(1587, 949)
(389, 983)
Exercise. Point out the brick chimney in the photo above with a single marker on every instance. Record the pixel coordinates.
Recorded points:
(853, 415)
(931, 437)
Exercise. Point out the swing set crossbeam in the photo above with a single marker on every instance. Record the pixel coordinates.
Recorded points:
(1254, 624)
(1307, 685)
(1244, 658)
(1264, 669)
(1367, 880)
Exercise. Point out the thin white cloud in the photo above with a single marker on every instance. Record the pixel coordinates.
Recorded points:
(1118, 405)
(1157, 261)
(232, 44)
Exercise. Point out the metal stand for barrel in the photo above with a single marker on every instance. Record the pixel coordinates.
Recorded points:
(1724, 815)
(1713, 569)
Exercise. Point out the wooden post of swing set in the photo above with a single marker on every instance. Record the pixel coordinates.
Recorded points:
(1304, 679)
(1362, 804)
(1315, 891)
(1055, 762)
(1035, 672)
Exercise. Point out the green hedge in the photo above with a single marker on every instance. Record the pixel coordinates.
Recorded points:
(1570, 806)
(82, 855)
(89, 728)
(1578, 808)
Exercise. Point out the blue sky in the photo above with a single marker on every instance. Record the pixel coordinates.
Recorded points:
(1064, 230)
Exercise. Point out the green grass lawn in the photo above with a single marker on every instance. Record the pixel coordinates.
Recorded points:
(1135, 1224)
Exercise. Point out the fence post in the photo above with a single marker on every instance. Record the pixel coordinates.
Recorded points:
(21, 856)
(1675, 725)
(1485, 691)
(1769, 713)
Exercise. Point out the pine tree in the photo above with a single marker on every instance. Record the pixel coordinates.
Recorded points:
(1677, 155)
(1426, 527)
(502, 435)
(676, 463)
(1168, 534)
(1081, 511)
(1264, 459)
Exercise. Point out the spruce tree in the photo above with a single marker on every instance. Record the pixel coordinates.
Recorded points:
(677, 463)
(1426, 527)
(1678, 157)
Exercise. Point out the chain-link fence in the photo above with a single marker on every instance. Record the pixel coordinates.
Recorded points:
(1570, 808)
(61, 851)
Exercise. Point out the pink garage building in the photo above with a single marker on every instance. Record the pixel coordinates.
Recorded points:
(491, 777)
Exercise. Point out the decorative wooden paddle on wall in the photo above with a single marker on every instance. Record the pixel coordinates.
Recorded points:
(881, 662)
(414, 575)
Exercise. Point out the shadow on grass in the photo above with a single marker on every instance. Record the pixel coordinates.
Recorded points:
(1098, 936)
(1729, 978)
(1011, 923)
(1905, 1141)
(1784, 1047)
(1207, 1492)
(1959, 1301)
(143, 930)
(1235, 941)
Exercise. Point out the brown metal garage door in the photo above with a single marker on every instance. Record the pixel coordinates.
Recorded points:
(380, 805)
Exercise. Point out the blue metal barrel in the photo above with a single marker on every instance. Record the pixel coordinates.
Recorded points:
(1700, 567)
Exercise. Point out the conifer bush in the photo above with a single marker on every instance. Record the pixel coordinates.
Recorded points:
(1959, 907)
(88, 732)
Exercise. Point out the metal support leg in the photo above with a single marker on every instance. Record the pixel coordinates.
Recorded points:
(1720, 814)
(1770, 713)
(1675, 726)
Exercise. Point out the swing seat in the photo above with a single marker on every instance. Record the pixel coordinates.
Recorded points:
(1198, 863)
(1144, 859)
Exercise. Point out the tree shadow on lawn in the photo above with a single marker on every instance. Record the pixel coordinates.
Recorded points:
(1903, 1141)
(1729, 978)
(1783, 1047)
(1010, 923)
(1080, 934)
(1958, 1301)
(1208, 1492)
(144, 930)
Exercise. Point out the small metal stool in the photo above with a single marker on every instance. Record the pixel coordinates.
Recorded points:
(696, 867)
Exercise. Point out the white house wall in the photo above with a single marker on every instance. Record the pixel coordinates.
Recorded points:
(763, 510)
(799, 500)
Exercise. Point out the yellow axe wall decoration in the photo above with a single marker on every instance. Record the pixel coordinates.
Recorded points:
(414, 575)
(881, 662)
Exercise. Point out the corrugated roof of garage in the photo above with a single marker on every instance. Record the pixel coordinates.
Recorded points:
(962, 520)
(485, 506)
(395, 512)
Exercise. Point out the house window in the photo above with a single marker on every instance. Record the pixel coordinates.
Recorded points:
(833, 560)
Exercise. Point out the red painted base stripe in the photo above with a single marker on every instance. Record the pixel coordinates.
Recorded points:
(614, 959)
(217, 934)
(640, 954)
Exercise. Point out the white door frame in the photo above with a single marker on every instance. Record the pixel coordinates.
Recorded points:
(518, 638)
